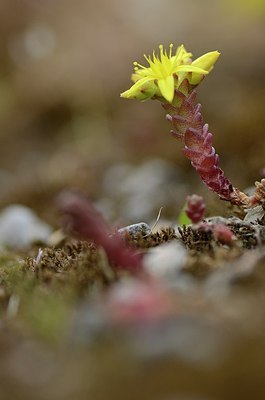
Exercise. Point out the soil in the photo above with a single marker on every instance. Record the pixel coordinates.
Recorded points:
(67, 331)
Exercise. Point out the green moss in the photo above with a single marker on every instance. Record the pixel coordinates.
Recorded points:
(11, 270)
(46, 313)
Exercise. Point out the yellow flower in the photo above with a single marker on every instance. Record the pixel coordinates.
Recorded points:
(165, 74)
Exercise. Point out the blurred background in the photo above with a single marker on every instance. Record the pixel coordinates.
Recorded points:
(63, 124)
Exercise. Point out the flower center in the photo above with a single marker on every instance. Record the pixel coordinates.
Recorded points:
(163, 66)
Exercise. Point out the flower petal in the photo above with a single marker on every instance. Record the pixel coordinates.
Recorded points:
(143, 89)
(166, 87)
(190, 68)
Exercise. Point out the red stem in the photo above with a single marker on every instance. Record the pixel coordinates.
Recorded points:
(188, 126)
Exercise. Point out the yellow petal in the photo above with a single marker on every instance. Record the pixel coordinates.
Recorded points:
(166, 87)
(190, 68)
(143, 89)
(134, 89)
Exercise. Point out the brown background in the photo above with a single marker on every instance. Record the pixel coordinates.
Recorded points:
(64, 63)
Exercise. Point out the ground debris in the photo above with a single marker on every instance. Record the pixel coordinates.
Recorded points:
(195, 239)
(78, 263)
(145, 241)
(247, 235)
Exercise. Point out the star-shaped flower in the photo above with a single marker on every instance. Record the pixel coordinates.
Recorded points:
(165, 74)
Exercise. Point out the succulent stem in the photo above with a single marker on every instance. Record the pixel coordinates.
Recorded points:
(186, 118)
(189, 127)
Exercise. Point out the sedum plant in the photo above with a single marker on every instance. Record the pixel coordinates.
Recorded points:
(172, 78)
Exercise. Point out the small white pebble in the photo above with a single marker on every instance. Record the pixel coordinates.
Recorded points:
(136, 229)
(254, 214)
(166, 260)
(20, 226)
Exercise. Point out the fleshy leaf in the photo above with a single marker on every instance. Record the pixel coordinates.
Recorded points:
(183, 219)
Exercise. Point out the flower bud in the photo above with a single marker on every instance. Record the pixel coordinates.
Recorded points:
(205, 62)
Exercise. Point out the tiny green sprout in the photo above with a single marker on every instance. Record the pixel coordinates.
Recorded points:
(166, 73)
